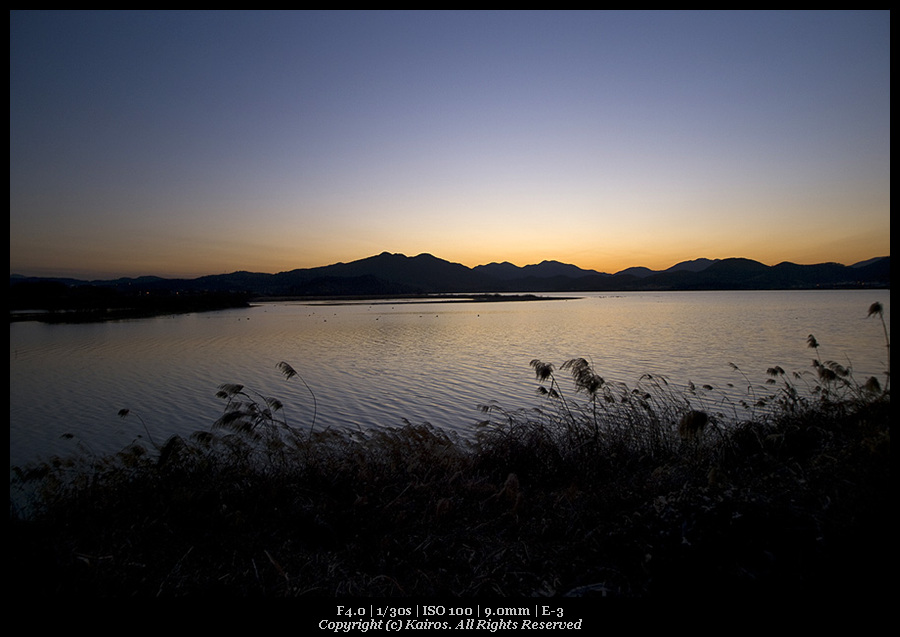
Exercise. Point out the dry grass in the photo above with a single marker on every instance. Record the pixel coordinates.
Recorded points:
(592, 494)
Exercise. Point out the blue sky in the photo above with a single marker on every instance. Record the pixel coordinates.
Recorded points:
(191, 143)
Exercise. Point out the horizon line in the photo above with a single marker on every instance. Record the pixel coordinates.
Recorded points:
(112, 277)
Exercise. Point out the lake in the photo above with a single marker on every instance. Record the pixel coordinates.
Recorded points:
(376, 364)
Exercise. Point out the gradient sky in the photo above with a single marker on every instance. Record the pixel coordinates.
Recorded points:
(192, 143)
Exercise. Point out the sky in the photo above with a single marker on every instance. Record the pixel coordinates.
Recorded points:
(181, 144)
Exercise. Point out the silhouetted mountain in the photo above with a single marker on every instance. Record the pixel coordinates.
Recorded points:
(389, 274)
(638, 271)
(696, 265)
(544, 270)
(746, 274)
(553, 269)
(861, 264)
(500, 271)
(876, 270)
(426, 274)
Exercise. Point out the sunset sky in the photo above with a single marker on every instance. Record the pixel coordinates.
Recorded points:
(191, 143)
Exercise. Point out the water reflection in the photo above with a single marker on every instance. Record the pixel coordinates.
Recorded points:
(380, 364)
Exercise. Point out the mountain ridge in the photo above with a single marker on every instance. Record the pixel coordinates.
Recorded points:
(388, 273)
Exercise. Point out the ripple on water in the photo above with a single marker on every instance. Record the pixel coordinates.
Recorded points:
(373, 365)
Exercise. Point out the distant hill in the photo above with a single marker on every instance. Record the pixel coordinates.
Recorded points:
(543, 270)
(691, 266)
(388, 274)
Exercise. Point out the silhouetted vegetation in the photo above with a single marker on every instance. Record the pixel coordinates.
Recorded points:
(601, 490)
(55, 301)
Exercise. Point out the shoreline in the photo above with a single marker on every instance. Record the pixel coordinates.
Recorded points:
(116, 314)
(411, 299)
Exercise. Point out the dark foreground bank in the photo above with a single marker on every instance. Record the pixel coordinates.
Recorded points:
(603, 498)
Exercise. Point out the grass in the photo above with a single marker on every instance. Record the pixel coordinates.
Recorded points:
(595, 492)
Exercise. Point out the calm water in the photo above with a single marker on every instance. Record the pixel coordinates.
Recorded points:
(379, 364)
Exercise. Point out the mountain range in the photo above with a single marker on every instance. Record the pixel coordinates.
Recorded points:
(397, 274)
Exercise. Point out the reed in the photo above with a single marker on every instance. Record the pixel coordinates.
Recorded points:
(601, 489)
